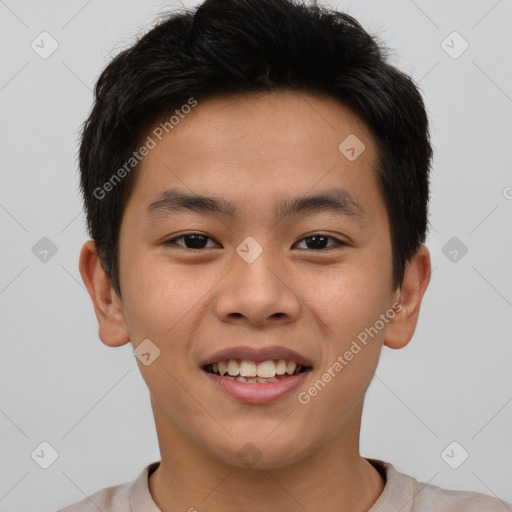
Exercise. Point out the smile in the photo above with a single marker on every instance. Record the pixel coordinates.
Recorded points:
(256, 372)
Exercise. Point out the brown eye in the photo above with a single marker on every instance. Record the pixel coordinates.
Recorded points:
(191, 241)
(198, 241)
(318, 241)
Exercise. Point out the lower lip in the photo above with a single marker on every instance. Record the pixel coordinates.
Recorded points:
(255, 392)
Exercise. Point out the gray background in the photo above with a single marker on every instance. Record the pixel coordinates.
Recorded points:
(61, 385)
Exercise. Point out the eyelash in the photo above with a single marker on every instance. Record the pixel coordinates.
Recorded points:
(172, 241)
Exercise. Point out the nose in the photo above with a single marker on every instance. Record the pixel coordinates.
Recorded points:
(258, 293)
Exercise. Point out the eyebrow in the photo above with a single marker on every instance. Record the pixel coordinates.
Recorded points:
(335, 200)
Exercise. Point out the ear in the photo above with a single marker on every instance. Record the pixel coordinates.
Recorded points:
(108, 307)
(401, 327)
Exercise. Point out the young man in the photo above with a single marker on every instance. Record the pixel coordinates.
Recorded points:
(256, 182)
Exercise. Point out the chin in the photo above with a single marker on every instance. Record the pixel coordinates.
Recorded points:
(257, 453)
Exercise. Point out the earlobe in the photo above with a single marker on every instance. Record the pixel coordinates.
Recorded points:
(112, 328)
(416, 279)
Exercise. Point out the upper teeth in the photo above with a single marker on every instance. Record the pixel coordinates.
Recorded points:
(265, 369)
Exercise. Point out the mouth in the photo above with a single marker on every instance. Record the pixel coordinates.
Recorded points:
(256, 376)
(264, 372)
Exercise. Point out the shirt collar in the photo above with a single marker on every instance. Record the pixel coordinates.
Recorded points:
(398, 494)
(399, 491)
(140, 497)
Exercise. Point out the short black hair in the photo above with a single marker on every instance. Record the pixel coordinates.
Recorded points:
(237, 47)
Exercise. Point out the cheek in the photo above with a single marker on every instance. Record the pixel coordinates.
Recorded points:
(350, 297)
(162, 298)
(350, 306)
(357, 298)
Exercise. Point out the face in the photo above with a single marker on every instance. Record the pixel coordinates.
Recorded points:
(258, 280)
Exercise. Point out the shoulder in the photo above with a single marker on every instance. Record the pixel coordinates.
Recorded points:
(115, 498)
(124, 497)
(444, 500)
(405, 493)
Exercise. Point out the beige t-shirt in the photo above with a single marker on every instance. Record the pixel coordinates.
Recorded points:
(402, 493)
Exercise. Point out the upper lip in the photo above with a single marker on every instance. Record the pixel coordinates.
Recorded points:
(257, 355)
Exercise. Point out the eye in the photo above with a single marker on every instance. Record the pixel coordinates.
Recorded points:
(197, 241)
(317, 241)
(192, 241)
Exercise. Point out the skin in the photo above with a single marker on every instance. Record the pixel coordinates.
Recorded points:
(255, 151)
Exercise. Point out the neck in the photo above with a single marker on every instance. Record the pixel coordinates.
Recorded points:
(334, 475)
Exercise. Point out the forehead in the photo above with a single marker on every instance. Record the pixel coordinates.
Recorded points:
(255, 149)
